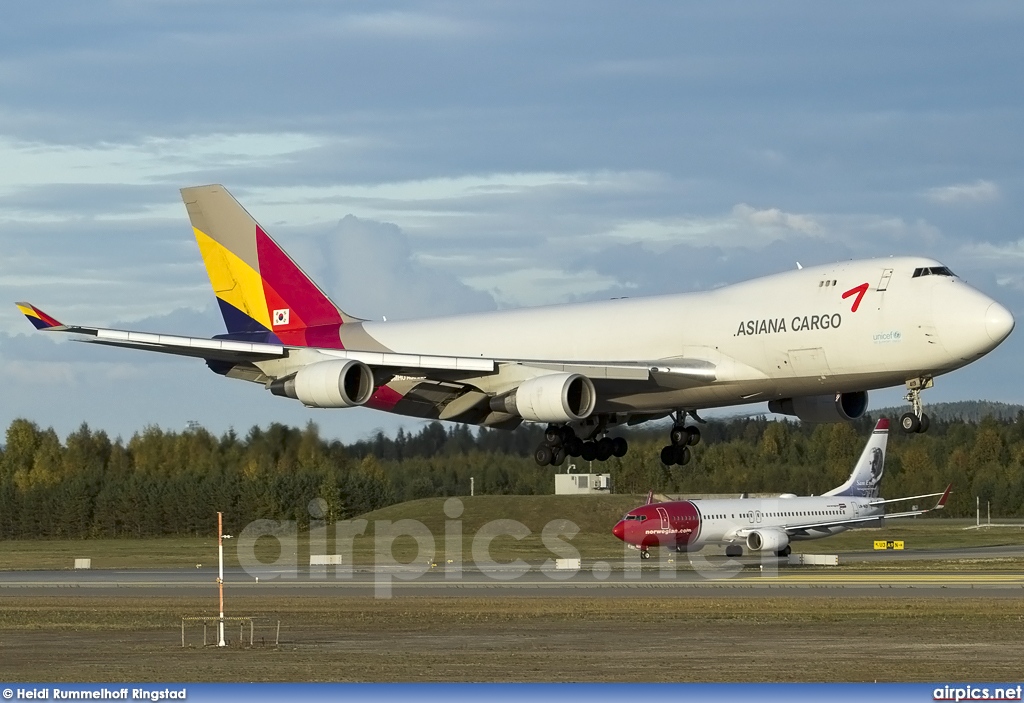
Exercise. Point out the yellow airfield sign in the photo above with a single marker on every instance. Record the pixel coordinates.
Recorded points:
(891, 544)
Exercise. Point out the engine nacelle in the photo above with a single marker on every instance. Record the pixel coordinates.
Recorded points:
(767, 541)
(328, 384)
(557, 397)
(837, 407)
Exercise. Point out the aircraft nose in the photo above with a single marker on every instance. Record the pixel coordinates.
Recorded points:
(968, 322)
(620, 530)
(998, 322)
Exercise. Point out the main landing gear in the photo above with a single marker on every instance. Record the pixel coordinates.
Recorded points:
(915, 421)
(561, 441)
(681, 438)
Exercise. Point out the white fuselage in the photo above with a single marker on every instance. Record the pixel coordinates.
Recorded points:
(783, 335)
(722, 519)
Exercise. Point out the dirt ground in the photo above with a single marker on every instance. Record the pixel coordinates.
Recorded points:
(791, 638)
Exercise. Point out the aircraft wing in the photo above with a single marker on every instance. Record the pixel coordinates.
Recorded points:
(240, 352)
(852, 522)
(228, 350)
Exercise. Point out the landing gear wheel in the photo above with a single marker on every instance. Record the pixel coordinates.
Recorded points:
(644, 554)
(589, 451)
(679, 435)
(543, 455)
(604, 449)
(574, 446)
(619, 447)
(734, 550)
(558, 458)
(909, 423)
(553, 435)
(693, 436)
(784, 552)
(673, 455)
(915, 420)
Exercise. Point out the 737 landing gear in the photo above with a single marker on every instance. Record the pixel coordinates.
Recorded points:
(644, 554)
(915, 421)
(561, 441)
(681, 438)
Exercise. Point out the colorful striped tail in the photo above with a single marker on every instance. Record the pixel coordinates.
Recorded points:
(37, 317)
(263, 295)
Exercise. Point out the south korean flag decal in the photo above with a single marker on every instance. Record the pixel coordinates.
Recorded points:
(281, 317)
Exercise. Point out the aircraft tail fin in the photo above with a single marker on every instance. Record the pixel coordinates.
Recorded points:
(263, 294)
(37, 317)
(867, 473)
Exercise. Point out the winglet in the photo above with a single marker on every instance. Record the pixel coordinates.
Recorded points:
(945, 496)
(650, 497)
(37, 317)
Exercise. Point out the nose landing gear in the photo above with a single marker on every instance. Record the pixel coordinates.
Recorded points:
(915, 421)
(681, 438)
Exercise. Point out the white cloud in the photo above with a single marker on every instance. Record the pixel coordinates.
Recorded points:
(995, 252)
(743, 226)
(408, 25)
(369, 270)
(774, 218)
(978, 192)
(141, 162)
(531, 286)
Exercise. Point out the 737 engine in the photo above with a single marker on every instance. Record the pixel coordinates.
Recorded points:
(767, 541)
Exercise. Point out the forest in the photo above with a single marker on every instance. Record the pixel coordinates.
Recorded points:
(163, 482)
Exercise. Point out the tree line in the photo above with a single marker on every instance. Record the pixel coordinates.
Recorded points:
(170, 483)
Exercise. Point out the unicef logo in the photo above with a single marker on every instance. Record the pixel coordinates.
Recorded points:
(892, 336)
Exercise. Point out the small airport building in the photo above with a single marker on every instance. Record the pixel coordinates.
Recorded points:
(582, 484)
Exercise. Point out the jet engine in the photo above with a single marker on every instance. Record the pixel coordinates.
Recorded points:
(328, 384)
(767, 541)
(557, 397)
(837, 407)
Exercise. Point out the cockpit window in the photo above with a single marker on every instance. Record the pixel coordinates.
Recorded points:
(641, 518)
(933, 271)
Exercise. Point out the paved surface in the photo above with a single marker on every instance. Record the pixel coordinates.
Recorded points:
(702, 576)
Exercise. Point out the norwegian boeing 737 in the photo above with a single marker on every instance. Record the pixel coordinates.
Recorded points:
(811, 342)
(769, 525)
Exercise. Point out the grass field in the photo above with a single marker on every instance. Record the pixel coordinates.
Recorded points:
(593, 515)
(589, 638)
(583, 636)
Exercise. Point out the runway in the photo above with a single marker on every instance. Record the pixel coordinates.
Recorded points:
(671, 575)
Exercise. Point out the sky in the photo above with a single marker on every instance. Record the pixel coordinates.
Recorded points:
(427, 158)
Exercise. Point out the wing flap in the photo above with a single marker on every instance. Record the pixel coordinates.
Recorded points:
(413, 361)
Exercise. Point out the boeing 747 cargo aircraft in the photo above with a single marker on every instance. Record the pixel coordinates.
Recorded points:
(812, 342)
(769, 525)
